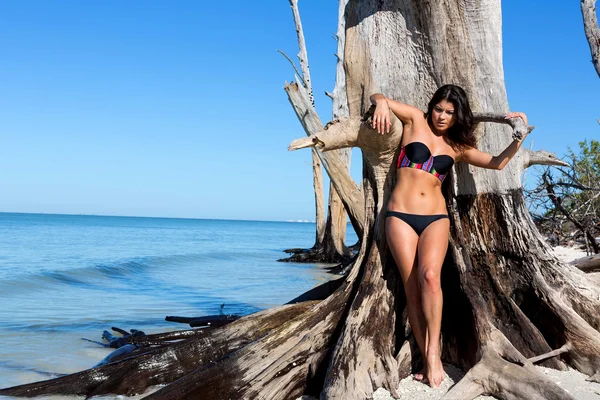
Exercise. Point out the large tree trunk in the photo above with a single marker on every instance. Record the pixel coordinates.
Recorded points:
(506, 297)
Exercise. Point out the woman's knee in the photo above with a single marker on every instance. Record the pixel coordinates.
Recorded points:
(430, 278)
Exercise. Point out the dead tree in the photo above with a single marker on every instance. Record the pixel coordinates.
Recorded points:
(565, 202)
(557, 202)
(330, 245)
(592, 30)
(507, 299)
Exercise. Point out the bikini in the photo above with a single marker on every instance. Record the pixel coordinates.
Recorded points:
(417, 155)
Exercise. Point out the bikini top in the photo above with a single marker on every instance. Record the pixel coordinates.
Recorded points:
(417, 155)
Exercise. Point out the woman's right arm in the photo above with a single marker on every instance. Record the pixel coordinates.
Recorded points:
(381, 117)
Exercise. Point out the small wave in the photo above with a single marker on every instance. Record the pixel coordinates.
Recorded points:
(91, 276)
(62, 277)
(121, 269)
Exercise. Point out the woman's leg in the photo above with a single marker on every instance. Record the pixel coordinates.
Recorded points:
(402, 241)
(432, 247)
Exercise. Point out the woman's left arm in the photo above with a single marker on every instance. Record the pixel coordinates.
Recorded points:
(484, 160)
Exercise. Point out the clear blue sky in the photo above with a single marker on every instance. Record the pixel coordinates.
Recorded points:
(176, 109)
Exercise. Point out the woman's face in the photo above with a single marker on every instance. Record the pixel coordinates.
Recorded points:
(443, 116)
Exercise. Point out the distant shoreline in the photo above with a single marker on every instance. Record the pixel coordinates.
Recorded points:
(141, 216)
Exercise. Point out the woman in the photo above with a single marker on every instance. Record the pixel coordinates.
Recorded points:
(417, 224)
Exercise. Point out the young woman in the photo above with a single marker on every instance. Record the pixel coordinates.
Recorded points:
(417, 225)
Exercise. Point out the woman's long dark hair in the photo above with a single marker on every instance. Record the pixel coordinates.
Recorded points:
(461, 133)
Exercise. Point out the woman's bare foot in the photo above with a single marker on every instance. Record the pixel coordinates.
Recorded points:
(435, 370)
(420, 376)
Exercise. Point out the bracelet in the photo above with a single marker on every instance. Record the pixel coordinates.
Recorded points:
(518, 135)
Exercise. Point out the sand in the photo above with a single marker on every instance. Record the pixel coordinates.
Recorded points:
(568, 254)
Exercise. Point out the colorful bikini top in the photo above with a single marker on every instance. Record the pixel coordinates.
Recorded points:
(417, 155)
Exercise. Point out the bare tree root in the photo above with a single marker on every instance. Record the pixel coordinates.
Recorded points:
(405, 359)
(550, 354)
(317, 254)
(284, 364)
(495, 376)
(364, 356)
(320, 292)
(584, 340)
(281, 365)
(167, 364)
(502, 371)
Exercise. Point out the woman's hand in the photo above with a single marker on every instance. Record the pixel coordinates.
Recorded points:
(381, 117)
(517, 115)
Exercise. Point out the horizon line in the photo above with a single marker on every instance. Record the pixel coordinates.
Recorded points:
(143, 216)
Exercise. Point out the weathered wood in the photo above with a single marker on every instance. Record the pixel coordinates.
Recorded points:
(319, 199)
(541, 157)
(592, 30)
(337, 212)
(165, 365)
(331, 233)
(206, 321)
(317, 171)
(550, 354)
(302, 53)
(505, 380)
(336, 169)
(279, 366)
(588, 264)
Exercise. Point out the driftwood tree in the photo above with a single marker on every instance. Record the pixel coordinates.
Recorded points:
(330, 244)
(507, 300)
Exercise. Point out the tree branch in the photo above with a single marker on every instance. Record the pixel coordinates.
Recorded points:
(519, 127)
(339, 95)
(349, 192)
(592, 31)
(293, 65)
(541, 157)
(577, 186)
(564, 349)
(557, 203)
(302, 54)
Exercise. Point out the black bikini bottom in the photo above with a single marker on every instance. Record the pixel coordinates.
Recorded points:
(417, 222)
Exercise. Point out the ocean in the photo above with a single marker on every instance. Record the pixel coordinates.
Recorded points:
(68, 277)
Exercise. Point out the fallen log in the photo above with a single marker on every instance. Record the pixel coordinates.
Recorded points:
(212, 321)
(588, 264)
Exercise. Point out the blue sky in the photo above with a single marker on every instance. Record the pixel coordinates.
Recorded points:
(176, 109)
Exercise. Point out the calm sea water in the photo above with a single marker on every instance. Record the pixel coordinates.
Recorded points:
(65, 277)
